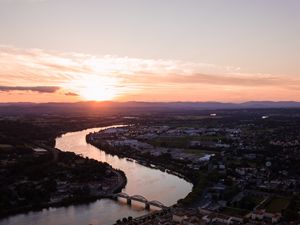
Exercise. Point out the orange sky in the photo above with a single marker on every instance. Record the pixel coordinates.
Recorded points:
(141, 50)
(31, 75)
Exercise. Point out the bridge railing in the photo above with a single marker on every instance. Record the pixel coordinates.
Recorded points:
(140, 198)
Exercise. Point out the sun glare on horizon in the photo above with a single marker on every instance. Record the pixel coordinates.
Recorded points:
(97, 92)
(95, 89)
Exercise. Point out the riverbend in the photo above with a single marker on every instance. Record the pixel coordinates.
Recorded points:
(149, 182)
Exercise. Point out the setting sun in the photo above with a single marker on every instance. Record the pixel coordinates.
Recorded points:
(98, 90)
(97, 93)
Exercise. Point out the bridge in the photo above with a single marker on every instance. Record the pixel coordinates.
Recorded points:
(139, 198)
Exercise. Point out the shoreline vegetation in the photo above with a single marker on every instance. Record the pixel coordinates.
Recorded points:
(199, 180)
(74, 200)
(140, 159)
(18, 138)
(52, 178)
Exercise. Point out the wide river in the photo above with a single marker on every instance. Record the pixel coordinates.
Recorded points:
(153, 184)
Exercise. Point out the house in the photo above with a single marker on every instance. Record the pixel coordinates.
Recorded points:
(217, 218)
(263, 215)
(257, 215)
(179, 216)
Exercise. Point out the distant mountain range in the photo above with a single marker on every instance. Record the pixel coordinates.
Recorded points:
(17, 108)
(194, 105)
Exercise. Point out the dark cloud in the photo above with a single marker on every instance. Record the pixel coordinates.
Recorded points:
(71, 94)
(40, 89)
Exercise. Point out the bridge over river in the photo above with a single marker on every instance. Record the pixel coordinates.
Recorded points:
(139, 198)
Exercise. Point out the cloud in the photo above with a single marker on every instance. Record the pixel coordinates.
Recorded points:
(38, 66)
(40, 89)
(76, 72)
(213, 79)
(71, 94)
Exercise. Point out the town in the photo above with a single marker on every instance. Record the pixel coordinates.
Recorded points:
(243, 164)
(243, 170)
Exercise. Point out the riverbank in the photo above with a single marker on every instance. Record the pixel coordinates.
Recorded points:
(174, 167)
(107, 211)
(66, 179)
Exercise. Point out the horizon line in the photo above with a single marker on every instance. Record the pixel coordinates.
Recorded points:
(163, 102)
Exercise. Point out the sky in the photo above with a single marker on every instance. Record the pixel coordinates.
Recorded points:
(142, 50)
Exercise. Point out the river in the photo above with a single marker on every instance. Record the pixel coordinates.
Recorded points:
(151, 183)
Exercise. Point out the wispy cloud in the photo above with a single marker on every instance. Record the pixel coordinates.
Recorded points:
(71, 94)
(130, 76)
(40, 89)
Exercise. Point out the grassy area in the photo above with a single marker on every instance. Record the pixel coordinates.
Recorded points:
(196, 117)
(181, 142)
(175, 142)
(277, 204)
(257, 200)
(235, 212)
(203, 181)
(5, 146)
(198, 152)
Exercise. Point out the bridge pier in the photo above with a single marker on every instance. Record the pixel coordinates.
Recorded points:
(138, 198)
(147, 206)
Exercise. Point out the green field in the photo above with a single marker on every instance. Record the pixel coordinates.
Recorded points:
(173, 142)
(257, 200)
(198, 152)
(5, 146)
(277, 204)
(181, 142)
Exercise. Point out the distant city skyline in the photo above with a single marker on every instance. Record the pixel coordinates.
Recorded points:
(138, 50)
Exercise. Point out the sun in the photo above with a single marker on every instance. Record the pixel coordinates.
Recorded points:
(97, 93)
(98, 90)
(95, 87)
(94, 92)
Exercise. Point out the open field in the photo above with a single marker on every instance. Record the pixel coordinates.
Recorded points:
(277, 204)
(198, 152)
(181, 142)
(5, 146)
